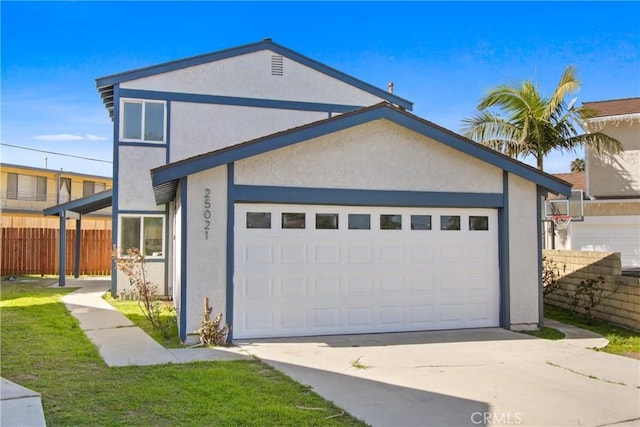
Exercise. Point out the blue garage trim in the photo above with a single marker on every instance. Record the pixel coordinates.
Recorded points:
(167, 173)
(103, 84)
(116, 176)
(230, 246)
(539, 195)
(183, 260)
(503, 255)
(237, 101)
(341, 196)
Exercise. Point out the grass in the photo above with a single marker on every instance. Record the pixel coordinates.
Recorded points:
(622, 341)
(133, 312)
(44, 349)
(546, 333)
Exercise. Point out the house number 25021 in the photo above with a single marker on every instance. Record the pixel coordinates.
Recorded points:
(206, 202)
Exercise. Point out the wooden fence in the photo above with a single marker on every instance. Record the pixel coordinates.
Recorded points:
(35, 251)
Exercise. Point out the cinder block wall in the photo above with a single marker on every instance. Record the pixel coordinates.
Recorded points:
(622, 308)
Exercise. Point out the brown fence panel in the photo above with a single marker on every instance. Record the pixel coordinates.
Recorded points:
(35, 251)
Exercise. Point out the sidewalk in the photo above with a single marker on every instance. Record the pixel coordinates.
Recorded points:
(577, 336)
(118, 340)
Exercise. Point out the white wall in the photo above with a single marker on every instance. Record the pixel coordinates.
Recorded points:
(134, 181)
(523, 254)
(200, 128)
(616, 174)
(250, 76)
(206, 253)
(378, 155)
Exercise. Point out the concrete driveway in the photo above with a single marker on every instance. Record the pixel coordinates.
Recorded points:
(463, 377)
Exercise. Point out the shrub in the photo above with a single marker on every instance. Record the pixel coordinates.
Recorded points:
(551, 274)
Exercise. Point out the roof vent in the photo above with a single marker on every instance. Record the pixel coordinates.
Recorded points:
(277, 65)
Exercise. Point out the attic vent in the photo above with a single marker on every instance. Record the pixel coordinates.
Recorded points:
(277, 67)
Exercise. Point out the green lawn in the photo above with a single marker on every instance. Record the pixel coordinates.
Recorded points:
(622, 341)
(44, 349)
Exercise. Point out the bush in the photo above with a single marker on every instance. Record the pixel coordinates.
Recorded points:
(551, 274)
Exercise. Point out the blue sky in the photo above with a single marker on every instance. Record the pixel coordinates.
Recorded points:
(442, 56)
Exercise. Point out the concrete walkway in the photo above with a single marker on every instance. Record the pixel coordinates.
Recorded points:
(577, 336)
(118, 340)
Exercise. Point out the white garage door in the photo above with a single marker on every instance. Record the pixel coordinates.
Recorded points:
(609, 234)
(321, 270)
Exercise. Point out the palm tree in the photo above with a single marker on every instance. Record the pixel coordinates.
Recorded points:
(577, 165)
(526, 123)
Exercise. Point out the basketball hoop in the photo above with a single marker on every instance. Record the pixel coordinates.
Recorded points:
(561, 221)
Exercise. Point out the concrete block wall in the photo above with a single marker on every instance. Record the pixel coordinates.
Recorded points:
(622, 307)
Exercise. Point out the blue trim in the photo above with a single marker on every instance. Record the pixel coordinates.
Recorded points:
(341, 196)
(83, 205)
(503, 255)
(78, 250)
(142, 144)
(237, 101)
(230, 245)
(141, 212)
(62, 256)
(167, 130)
(165, 249)
(183, 261)
(539, 195)
(103, 83)
(116, 185)
(283, 139)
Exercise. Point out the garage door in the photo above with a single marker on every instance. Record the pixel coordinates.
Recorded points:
(609, 234)
(321, 270)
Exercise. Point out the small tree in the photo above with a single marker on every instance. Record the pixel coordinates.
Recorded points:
(146, 292)
(588, 295)
(577, 165)
(551, 273)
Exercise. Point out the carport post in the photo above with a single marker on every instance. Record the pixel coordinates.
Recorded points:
(76, 261)
(62, 249)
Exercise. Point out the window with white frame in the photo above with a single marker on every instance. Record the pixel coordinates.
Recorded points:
(145, 232)
(142, 121)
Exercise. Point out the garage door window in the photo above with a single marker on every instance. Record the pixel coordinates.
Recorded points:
(421, 222)
(390, 222)
(359, 222)
(293, 220)
(326, 221)
(479, 223)
(258, 220)
(449, 222)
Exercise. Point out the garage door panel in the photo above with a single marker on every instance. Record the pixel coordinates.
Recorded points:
(296, 282)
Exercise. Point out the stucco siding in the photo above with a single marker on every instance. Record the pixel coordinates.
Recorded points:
(134, 181)
(206, 249)
(523, 254)
(250, 76)
(200, 128)
(616, 174)
(378, 155)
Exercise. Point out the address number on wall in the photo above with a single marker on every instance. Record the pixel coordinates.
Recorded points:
(206, 203)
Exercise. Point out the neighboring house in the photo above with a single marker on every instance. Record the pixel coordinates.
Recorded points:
(611, 186)
(26, 191)
(303, 201)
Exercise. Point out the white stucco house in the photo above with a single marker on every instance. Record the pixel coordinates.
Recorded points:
(303, 201)
(610, 217)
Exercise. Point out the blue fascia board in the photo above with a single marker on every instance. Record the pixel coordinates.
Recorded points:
(83, 205)
(237, 101)
(107, 81)
(216, 158)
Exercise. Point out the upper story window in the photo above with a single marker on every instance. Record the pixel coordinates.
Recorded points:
(26, 187)
(143, 121)
(91, 187)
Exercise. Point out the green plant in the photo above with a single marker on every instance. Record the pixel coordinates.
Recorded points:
(588, 295)
(212, 331)
(359, 365)
(551, 273)
(145, 292)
